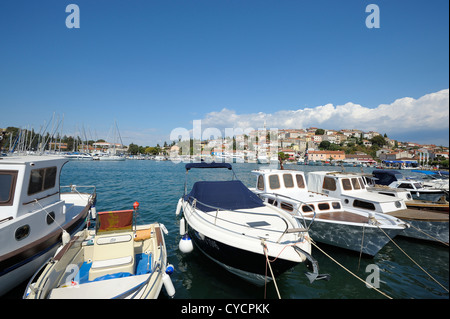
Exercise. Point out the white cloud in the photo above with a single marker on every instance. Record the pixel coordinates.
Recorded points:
(427, 113)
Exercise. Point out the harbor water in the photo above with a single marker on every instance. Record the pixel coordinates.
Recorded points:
(157, 186)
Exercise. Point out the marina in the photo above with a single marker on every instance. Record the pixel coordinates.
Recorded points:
(157, 186)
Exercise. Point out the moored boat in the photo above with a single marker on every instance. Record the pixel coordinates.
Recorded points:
(117, 260)
(417, 188)
(357, 230)
(351, 189)
(236, 229)
(36, 214)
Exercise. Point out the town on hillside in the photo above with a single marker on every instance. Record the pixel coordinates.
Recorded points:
(313, 146)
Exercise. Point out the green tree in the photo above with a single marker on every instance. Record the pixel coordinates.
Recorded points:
(378, 140)
(320, 131)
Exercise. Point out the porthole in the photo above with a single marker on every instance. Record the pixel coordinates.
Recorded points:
(398, 204)
(22, 232)
(50, 218)
(346, 201)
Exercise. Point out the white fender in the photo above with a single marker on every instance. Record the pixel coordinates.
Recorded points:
(182, 226)
(179, 205)
(185, 244)
(168, 285)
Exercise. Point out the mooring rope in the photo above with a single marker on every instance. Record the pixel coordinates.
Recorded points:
(351, 273)
(270, 268)
(413, 260)
(428, 235)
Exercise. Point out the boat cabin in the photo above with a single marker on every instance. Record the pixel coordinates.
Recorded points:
(351, 189)
(287, 190)
(27, 184)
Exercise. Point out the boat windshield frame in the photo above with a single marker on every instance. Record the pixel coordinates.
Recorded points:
(189, 166)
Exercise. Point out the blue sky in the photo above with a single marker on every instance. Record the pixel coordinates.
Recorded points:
(156, 65)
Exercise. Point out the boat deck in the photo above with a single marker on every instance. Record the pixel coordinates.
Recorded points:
(343, 216)
(420, 215)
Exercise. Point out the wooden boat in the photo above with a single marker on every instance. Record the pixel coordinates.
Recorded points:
(36, 214)
(331, 223)
(352, 190)
(118, 260)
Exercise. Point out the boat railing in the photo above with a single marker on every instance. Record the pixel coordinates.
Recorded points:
(217, 209)
(298, 203)
(76, 188)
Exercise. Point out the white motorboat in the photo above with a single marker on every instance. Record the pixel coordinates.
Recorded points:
(402, 193)
(35, 214)
(263, 159)
(108, 157)
(356, 230)
(79, 156)
(118, 260)
(432, 192)
(236, 229)
(350, 188)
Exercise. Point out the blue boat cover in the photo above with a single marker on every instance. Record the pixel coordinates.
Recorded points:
(207, 165)
(430, 172)
(227, 195)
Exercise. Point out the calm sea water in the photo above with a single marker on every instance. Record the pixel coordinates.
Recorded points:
(157, 186)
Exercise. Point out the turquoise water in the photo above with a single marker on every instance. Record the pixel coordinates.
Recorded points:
(157, 186)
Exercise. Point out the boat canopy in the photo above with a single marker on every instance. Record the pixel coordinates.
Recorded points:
(208, 165)
(386, 176)
(226, 195)
(430, 172)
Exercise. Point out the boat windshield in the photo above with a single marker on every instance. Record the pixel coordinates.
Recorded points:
(7, 183)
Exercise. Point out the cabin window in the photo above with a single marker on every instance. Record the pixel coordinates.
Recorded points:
(336, 205)
(362, 183)
(274, 182)
(287, 206)
(7, 186)
(42, 179)
(346, 184)
(50, 218)
(288, 180)
(307, 208)
(300, 181)
(324, 206)
(355, 183)
(362, 204)
(22, 232)
(387, 194)
(260, 183)
(329, 183)
(272, 201)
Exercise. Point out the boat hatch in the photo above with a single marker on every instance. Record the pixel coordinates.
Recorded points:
(258, 224)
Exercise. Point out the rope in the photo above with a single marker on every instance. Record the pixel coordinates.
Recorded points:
(421, 231)
(368, 284)
(48, 214)
(413, 260)
(270, 268)
(362, 244)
